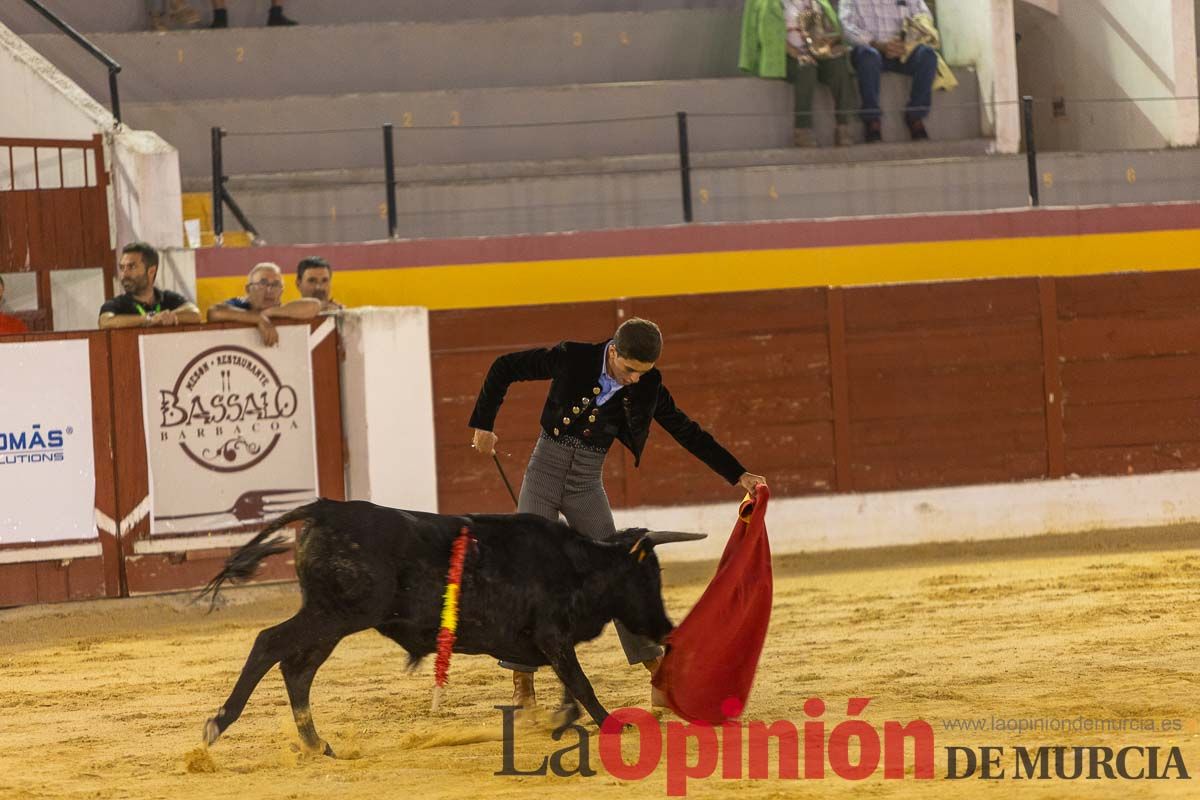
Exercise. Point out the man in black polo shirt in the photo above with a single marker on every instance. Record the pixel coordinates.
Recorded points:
(142, 305)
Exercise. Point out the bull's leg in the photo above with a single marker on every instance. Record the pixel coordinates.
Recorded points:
(298, 670)
(270, 647)
(576, 684)
(568, 712)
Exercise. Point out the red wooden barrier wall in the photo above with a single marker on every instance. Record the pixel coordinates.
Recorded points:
(866, 389)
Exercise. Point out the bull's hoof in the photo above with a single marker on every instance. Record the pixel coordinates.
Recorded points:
(212, 731)
(318, 748)
(565, 716)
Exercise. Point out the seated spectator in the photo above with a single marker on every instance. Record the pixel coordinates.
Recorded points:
(314, 278)
(143, 305)
(800, 40)
(8, 324)
(260, 304)
(876, 29)
(274, 16)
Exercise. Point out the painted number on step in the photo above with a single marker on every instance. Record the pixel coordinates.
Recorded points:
(704, 195)
(406, 119)
(241, 54)
(1048, 179)
(455, 118)
(577, 39)
(772, 193)
(1131, 175)
(623, 38)
(180, 55)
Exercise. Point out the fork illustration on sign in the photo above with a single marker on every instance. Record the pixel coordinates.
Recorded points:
(255, 505)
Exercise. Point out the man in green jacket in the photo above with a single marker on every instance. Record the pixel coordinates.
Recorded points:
(800, 40)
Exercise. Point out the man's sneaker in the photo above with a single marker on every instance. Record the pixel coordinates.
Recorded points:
(916, 129)
(220, 18)
(872, 131)
(276, 17)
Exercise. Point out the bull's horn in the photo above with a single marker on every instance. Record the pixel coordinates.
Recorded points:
(666, 537)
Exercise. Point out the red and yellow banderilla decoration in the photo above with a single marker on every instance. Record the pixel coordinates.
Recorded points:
(448, 631)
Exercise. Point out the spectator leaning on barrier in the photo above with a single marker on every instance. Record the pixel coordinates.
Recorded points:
(800, 40)
(314, 278)
(8, 324)
(883, 35)
(261, 304)
(274, 16)
(142, 305)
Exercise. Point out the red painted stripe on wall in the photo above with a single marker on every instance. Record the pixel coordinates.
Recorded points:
(712, 238)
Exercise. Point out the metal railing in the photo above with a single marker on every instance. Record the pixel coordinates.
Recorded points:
(686, 160)
(221, 196)
(114, 68)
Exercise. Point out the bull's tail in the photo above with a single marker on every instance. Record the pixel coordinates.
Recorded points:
(242, 565)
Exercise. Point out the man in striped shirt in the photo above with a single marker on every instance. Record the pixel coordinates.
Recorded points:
(876, 30)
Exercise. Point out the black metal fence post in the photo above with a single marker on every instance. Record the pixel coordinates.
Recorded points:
(218, 188)
(1031, 151)
(114, 93)
(389, 167)
(685, 166)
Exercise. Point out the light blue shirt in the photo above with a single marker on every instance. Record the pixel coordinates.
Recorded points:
(608, 384)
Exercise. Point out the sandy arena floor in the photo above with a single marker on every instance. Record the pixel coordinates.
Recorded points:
(107, 700)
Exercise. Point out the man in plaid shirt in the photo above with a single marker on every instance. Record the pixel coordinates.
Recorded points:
(876, 30)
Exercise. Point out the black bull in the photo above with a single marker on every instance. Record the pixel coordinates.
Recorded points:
(531, 590)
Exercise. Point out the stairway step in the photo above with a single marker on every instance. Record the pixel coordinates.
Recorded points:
(515, 124)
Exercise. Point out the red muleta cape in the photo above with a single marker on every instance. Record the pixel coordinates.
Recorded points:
(713, 654)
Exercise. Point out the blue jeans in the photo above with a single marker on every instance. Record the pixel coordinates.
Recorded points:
(870, 64)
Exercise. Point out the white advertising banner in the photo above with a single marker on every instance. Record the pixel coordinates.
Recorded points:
(47, 464)
(229, 428)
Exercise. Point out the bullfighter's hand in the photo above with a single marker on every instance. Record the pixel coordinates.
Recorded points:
(749, 481)
(484, 442)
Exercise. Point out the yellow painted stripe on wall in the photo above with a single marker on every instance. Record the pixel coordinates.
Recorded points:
(592, 279)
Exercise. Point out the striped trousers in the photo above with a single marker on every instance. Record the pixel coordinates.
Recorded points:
(570, 481)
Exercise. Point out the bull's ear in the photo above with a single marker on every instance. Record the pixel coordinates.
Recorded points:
(666, 537)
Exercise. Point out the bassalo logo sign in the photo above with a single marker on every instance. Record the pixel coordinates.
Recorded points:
(228, 409)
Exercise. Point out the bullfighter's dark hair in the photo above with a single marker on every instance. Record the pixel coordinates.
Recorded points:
(638, 339)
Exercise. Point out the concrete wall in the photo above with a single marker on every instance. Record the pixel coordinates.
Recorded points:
(1111, 50)
(972, 513)
(981, 33)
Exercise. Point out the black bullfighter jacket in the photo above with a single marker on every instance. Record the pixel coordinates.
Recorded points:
(573, 369)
